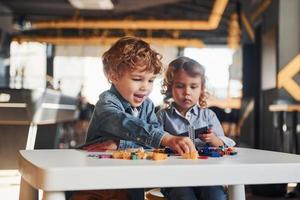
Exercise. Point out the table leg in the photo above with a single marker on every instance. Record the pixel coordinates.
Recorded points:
(236, 192)
(27, 191)
(54, 195)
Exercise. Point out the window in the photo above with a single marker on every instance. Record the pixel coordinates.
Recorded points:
(28, 65)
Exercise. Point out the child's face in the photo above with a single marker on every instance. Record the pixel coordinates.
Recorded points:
(186, 90)
(134, 86)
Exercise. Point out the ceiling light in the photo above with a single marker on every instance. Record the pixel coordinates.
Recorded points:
(92, 4)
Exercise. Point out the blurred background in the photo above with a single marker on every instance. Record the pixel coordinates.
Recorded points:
(51, 70)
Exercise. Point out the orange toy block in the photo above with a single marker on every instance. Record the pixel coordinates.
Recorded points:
(121, 155)
(192, 155)
(159, 156)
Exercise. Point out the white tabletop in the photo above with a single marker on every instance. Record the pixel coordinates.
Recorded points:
(60, 170)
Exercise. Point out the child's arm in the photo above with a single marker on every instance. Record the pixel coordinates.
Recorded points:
(216, 136)
(111, 121)
(179, 144)
(211, 138)
(106, 145)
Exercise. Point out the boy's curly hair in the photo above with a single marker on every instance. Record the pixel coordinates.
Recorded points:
(128, 53)
(192, 68)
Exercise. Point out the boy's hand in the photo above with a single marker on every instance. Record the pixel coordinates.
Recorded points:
(179, 144)
(107, 145)
(211, 138)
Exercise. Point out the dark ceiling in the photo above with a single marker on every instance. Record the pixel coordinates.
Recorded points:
(25, 12)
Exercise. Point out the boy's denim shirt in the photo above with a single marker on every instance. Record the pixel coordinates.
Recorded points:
(174, 123)
(113, 119)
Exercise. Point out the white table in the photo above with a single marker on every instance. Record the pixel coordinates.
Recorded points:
(56, 171)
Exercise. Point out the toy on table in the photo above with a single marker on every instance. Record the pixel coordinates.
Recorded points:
(216, 151)
(130, 154)
(159, 156)
(162, 154)
(192, 155)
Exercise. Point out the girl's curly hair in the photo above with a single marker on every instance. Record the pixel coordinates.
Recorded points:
(128, 53)
(192, 68)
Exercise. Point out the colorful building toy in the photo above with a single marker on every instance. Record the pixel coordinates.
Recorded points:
(216, 151)
(162, 154)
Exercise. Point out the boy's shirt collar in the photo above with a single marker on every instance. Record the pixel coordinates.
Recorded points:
(127, 106)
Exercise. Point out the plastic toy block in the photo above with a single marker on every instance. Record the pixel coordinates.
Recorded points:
(215, 154)
(104, 156)
(149, 155)
(141, 154)
(204, 151)
(192, 155)
(160, 150)
(222, 148)
(222, 153)
(169, 151)
(159, 156)
(203, 157)
(230, 149)
(121, 155)
(134, 157)
(93, 155)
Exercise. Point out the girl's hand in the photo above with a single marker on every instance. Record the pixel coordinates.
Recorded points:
(107, 145)
(179, 144)
(211, 138)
